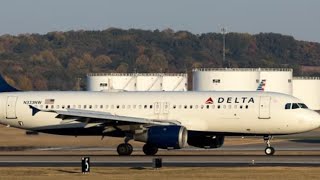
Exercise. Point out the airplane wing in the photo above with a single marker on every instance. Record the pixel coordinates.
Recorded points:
(98, 118)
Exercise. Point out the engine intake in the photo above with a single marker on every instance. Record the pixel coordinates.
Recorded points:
(165, 137)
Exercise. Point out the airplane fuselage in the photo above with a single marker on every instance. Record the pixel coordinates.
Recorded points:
(247, 113)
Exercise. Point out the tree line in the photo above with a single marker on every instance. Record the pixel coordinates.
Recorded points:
(54, 61)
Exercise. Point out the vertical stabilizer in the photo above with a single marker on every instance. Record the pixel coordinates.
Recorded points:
(5, 87)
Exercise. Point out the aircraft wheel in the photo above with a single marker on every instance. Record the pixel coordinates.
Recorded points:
(269, 151)
(150, 150)
(124, 149)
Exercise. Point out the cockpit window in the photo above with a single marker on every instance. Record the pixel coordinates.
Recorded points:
(295, 106)
(288, 106)
(303, 106)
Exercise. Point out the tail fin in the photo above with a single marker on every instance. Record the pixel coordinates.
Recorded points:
(5, 87)
(261, 85)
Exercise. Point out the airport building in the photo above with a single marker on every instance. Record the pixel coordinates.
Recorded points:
(137, 82)
(307, 90)
(242, 79)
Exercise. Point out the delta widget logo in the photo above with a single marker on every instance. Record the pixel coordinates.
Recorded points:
(209, 101)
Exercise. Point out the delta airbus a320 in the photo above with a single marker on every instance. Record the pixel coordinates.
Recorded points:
(166, 120)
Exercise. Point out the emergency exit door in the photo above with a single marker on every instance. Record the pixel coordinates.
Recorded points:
(11, 107)
(157, 108)
(264, 107)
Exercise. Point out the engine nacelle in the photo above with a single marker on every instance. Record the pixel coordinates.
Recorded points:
(203, 140)
(165, 137)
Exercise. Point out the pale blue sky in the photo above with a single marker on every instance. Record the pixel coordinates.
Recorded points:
(299, 18)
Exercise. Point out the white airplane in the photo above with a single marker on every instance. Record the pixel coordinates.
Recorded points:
(167, 120)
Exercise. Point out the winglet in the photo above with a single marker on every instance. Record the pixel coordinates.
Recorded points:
(34, 110)
(5, 87)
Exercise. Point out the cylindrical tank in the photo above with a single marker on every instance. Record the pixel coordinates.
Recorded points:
(277, 80)
(112, 81)
(307, 90)
(225, 79)
(175, 82)
(136, 82)
(97, 82)
(149, 82)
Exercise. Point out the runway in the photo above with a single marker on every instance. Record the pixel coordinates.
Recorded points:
(295, 152)
(168, 161)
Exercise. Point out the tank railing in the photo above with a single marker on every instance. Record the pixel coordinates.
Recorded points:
(137, 74)
(306, 78)
(243, 69)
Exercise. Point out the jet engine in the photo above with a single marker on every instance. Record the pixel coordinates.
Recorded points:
(203, 140)
(165, 137)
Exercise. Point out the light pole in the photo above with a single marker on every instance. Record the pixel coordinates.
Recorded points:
(224, 32)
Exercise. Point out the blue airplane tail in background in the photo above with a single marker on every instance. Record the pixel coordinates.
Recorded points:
(5, 87)
(262, 85)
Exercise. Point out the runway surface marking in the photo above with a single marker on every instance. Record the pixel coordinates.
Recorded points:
(170, 161)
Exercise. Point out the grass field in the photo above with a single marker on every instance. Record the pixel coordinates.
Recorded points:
(256, 173)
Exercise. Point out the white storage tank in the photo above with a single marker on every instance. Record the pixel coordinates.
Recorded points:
(225, 79)
(149, 82)
(111, 81)
(307, 90)
(175, 82)
(137, 82)
(277, 79)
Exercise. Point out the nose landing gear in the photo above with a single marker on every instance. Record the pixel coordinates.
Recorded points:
(269, 149)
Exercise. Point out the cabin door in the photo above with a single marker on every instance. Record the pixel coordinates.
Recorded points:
(264, 107)
(11, 107)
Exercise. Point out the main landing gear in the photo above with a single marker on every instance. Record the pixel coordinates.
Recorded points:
(269, 150)
(125, 149)
(150, 150)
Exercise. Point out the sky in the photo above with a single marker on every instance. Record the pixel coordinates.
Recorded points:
(298, 18)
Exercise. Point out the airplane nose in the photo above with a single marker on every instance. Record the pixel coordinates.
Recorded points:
(316, 119)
